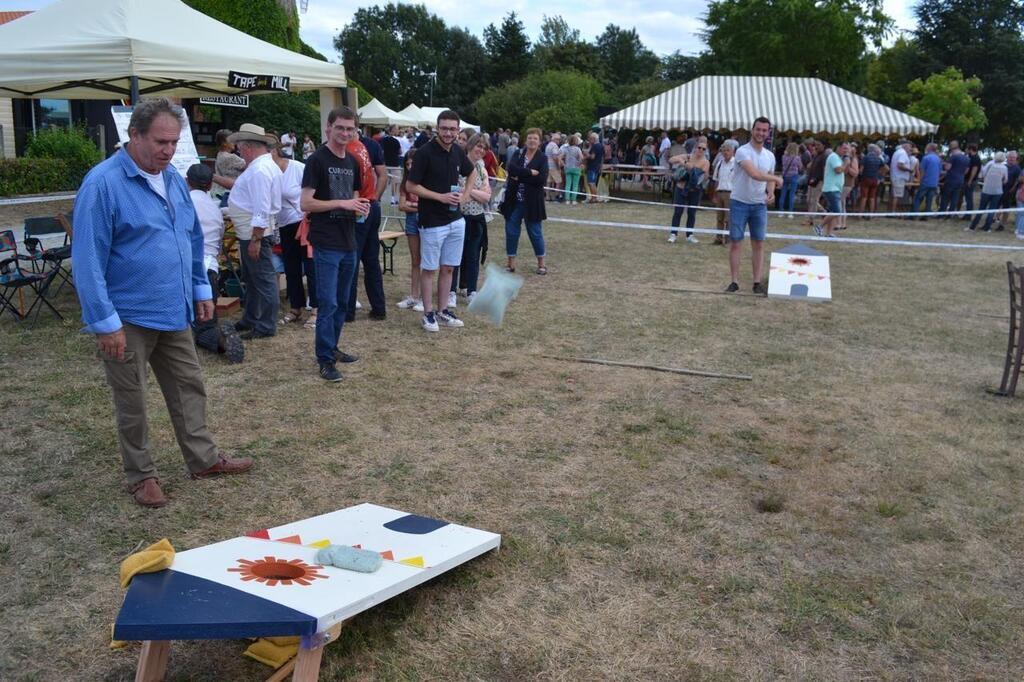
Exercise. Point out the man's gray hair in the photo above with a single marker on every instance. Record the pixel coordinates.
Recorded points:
(146, 111)
(730, 144)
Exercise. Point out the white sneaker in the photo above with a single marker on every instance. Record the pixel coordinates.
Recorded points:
(671, 239)
(406, 303)
(1020, 235)
(472, 294)
(419, 305)
(453, 300)
(693, 240)
(359, 306)
(429, 322)
(448, 319)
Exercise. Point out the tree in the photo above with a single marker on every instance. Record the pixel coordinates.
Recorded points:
(946, 98)
(281, 112)
(263, 19)
(623, 58)
(826, 40)
(560, 47)
(508, 50)
(552, 100)
(462, 74)
(392, 50)
(891, 71)
(683, 67)
(981, 38)
(629, 94)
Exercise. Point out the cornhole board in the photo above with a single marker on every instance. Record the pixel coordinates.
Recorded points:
(267, 583)
(799, 272)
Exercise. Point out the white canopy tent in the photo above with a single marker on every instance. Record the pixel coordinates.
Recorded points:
(413, 112)
(794, 105)
(95, 50)
(376, 113)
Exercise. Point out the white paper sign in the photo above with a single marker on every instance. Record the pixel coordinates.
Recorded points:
(185, 156)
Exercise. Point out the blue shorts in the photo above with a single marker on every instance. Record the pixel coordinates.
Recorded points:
(833, 201)
(412, 223)
(741, 215)
(442, 245)
(592, 176)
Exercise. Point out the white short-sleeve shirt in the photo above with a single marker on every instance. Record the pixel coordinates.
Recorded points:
(745, 188)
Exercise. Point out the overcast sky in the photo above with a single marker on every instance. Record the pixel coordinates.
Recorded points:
(662, 30)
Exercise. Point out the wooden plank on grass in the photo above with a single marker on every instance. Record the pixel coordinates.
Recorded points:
(653, 368)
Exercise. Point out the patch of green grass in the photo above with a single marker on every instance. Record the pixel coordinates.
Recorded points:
(889, 509)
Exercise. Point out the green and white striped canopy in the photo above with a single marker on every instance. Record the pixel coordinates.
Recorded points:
(794, 105)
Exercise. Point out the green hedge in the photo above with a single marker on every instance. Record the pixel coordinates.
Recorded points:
(34, 176)
(72, 145)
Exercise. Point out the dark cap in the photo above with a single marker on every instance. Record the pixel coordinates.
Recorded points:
(200, 175)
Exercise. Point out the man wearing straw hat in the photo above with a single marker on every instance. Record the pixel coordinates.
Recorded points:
(254, 201)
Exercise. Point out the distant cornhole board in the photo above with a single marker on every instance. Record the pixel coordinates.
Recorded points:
(268, 582)
(799, 272)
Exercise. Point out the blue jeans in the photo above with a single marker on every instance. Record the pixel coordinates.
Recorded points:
(514, 227)
(685, 200)
(924, 195)
(742, 215)
(368, 250)
(788, 199)
(335, 273)
(969, 196)
(262, 298)
(988, 201)
(476, 230)
(950, 198)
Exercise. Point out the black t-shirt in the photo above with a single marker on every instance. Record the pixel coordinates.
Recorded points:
(392, 151)
(438, 170)
(332, 178)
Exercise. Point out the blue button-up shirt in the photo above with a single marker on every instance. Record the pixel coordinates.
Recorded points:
(136, 257)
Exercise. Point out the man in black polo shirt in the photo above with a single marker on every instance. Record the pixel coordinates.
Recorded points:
(434, 178)
(330, 195)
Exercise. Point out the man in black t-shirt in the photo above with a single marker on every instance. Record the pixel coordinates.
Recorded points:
(434, 178)
(971, 179)
(330, 195)
(392, 148)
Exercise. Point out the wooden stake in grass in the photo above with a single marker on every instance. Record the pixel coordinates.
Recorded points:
(653, 368)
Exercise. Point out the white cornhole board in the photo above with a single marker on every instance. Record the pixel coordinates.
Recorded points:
(209, 592)
(799, 272)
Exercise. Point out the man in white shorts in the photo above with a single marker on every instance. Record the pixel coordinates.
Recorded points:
(434, 178)
(902, 170)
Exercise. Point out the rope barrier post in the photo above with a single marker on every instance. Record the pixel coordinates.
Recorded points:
(1015, 343)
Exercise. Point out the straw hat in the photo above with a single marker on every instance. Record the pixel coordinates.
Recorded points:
(250, 132)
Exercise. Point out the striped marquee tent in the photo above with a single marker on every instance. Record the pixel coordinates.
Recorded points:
(794, 105)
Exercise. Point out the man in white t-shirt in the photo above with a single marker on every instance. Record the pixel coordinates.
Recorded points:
(288, 141)
(753, 188)
(554, 167)
(901, 171)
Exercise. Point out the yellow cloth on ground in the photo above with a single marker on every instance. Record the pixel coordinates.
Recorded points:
(273, 651)
(116, 643)
(156, 557)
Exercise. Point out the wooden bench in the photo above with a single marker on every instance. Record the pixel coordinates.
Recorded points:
(388, 240)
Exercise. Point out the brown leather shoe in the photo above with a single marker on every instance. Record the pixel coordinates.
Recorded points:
(148, 494)
(224, 466)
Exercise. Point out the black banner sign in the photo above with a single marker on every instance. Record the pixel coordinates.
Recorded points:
(248, 81)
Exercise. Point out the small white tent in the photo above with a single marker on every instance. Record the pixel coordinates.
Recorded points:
(92, 50)
(794, 105)
(412, 111)
(375, 113)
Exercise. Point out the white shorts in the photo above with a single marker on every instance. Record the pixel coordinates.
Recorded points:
(899, 186)
(442, 245)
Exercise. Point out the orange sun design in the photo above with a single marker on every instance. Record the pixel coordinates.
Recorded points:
(799, 261)
(271, 571)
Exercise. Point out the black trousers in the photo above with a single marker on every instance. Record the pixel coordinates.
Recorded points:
(368, 248)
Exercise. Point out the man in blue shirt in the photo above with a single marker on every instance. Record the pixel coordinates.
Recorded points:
(953, 183)
(931, 168)
(138, 269)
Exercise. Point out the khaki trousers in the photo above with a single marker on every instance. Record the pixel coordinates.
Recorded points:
(722, 198)
(172, 355)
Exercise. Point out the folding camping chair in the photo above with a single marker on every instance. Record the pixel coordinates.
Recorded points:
(13, 280)
(53, 257)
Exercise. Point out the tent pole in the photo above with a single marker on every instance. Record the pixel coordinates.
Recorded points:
(135, 90)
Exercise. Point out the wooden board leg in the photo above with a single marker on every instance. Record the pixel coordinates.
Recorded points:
(153, 661)
(307, 665)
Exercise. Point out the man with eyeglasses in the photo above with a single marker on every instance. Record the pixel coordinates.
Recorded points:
(434, 178)
(331, 184)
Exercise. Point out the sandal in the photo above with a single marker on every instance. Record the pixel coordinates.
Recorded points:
(541, 270)
(509, 268)
(291, 316)
(310, 322)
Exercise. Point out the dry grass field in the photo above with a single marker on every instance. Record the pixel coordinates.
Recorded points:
(854, 512)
